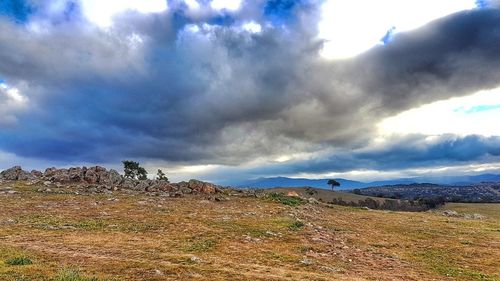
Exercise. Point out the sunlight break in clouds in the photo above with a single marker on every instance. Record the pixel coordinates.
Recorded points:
(475, 114)
(231, 5)
(101, 12)
(354, 26)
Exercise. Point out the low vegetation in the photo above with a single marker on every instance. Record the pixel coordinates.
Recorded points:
(19, 261)
(285, 200)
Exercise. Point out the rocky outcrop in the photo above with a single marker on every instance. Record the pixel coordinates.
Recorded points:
(16, 173)
(108, 179)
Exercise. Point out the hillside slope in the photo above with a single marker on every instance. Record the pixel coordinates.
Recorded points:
(127, 235)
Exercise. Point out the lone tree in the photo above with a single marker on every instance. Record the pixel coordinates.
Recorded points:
(333, 183)
(161, 176)
(134, 171)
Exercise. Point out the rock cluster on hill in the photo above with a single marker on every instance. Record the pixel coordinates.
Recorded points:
(109, 179)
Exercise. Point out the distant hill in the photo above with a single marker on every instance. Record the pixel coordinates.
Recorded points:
(486, 192)
(346, 184)
(299, 182)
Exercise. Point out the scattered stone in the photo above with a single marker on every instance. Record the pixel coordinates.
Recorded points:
(270, 233)
(195, 259)
(450, 213)
(474, 216)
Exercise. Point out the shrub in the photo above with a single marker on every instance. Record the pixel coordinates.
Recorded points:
(311, 191)
(285, 200)
(19, 261)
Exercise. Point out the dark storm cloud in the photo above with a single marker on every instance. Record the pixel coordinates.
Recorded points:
(415, 151)
(453, 56)
(150, 88)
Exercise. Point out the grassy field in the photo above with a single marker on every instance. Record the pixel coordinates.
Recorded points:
(123, 236)
(324, 195)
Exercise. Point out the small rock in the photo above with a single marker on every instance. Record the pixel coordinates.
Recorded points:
(195, 259)
(307, 262)
(313, 201)
(450, 213)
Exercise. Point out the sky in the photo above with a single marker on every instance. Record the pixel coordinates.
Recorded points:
(229, 90)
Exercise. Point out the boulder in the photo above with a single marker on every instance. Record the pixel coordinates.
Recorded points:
(61, 176)
(128, 184)
(165, 186)
(202, 187)
(143, 185)
(92, 175)
(111, 178)
(76, 174)
(36, 174)
(49, 172)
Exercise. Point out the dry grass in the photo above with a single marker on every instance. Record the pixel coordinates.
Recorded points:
(138, 237)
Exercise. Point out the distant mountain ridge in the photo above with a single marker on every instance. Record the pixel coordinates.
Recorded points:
(351, 184)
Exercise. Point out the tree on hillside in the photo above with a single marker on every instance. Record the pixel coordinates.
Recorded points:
(161, 176)
(333, 183)
(133, 170)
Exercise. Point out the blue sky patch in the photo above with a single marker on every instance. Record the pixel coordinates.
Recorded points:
(280, 11)
(17, 10)
(479, 108)
(388, 36)
(224, 20)
(482, 4)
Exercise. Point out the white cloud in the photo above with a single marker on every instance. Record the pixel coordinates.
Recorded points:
(252, 27)
(192, 4)
(231, 5)
(11, 102)
(101, 12)
(475, 114)
(354, 26)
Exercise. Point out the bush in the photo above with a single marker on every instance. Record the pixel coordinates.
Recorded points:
(19, 261)
(285, 200)
(311, 191)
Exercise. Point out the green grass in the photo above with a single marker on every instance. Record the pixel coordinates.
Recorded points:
(19, 261)
(439, 261)
(73, 275)
(296, 225)
(201, 245)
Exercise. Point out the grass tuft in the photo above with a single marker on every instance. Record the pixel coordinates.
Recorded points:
(296, 225)
(201, 246)
(73, 275)
(19, 261)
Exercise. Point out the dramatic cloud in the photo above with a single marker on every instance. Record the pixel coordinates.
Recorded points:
(196, 83)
